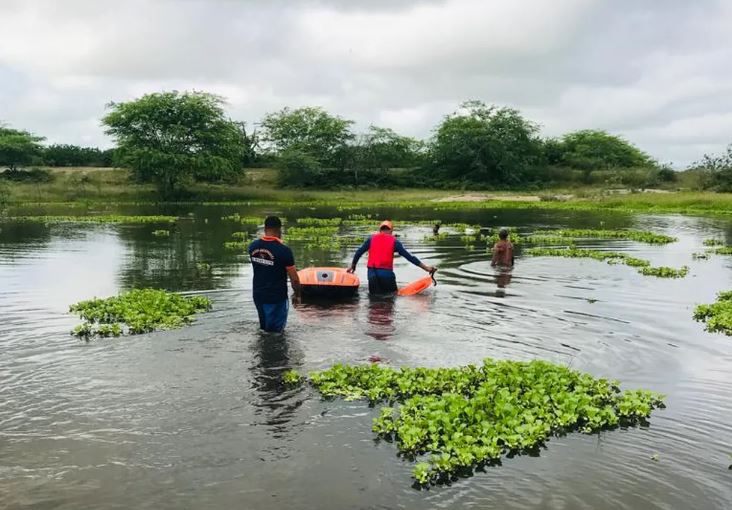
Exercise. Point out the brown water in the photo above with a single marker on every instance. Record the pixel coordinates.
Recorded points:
(196, 418)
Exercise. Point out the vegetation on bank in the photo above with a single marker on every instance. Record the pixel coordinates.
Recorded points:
(718, 315)
(135, 312)
(454, 420)
(95, 188)
(175, 139)
(102, 218)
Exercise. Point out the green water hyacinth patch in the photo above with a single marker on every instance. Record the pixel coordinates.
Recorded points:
(453, 420)
(664, 271)
(320, 222)
(135, 312)
(725, 250)
(114, 218)
(611, 257)
(161, 233)
(718, 315)
(713, 242)
(244, 220)
(235, 245)
(643, 236)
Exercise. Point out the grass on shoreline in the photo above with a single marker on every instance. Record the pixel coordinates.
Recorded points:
(112, 186)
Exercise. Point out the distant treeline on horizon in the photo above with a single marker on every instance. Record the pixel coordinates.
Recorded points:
(187, 136)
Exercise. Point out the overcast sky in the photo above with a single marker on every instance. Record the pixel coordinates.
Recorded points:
(658, 72)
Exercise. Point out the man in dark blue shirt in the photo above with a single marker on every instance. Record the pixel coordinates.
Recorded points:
(381, 248)
(272, 262)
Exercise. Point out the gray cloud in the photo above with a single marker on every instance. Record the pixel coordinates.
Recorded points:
(655, 72)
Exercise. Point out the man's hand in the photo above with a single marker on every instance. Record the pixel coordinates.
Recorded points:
(351, 270)
(429, 269)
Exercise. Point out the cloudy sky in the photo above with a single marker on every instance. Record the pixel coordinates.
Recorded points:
(658, 72)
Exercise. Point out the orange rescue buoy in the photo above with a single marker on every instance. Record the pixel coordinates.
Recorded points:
(417, 286)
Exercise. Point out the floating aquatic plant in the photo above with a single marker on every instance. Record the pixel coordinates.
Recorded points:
(110, 218)
(291, 377)
(544, 239)
(203, 267)
(718, 315)
(664, 271)
(320, 222)
(161, 233)
(493, 238)
(137, 311)
(725, 250)
(611, 257)
(634, 235)
(713, 242)
(235, 245)
(457, 419)
(244, 220)
(242, 236)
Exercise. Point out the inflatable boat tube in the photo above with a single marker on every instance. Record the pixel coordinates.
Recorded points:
(328, 283)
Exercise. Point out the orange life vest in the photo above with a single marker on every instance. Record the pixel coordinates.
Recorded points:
(381, 251)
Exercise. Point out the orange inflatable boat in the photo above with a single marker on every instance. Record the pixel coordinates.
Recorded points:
(328, 283)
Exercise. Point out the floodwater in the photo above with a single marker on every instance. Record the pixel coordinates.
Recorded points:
(197, 418)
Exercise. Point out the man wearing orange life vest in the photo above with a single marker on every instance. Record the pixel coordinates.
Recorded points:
(381, 247)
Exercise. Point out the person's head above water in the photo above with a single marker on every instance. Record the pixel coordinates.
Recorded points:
(503, 233)
(273, 226)
(386, 227)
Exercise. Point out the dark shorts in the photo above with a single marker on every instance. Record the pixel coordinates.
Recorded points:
(272, 316)
(381, 281)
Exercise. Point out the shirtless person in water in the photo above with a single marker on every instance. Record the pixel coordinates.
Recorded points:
(503, 250)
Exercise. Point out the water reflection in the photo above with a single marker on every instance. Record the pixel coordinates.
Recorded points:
(503, 278)
(273, 357)
(380, 317)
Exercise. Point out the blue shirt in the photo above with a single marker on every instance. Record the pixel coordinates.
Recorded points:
(270, 260)
(398, 248)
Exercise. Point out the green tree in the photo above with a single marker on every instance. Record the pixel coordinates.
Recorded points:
(382, 149)
(716, 170)
(171, 138)
(486, 145)
(309, 130)
(73, 155)
(18, 148)
(591, 149)
(298, 169)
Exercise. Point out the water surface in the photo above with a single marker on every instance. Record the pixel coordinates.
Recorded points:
(197, 417)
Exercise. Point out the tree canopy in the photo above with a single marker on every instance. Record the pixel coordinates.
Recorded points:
(74, 155)
(592, 149)
(716, 170)
(309, 130)
(383, 148)
(170, 138)
(485, 144)
(18, 148)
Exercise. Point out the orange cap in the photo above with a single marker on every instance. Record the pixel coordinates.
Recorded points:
(386, 223)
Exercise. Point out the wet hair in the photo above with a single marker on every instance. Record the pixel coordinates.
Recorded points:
(503, 233)
(272, 222)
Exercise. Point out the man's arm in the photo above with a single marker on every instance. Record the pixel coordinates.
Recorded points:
(292, 271)
(294, 279)
(359, 253)
(494, 259)
(399, 248)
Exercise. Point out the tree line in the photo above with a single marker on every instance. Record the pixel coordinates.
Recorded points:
(176, 138)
